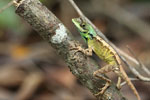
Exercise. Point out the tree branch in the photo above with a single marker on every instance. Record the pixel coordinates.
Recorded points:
(54, 32)
(120, 52)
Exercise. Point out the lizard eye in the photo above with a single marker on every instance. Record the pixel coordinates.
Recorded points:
(82, 25)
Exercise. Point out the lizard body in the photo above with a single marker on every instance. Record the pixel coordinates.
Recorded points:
(105, 52)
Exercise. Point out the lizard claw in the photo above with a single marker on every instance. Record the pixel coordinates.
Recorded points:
(99, 94)
(84, 51)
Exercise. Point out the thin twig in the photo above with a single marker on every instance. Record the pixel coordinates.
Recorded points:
(85, 18)
(6, 6)
(77, 8)
(134, 71)
(124, 17)
(140, 63)
(132, 79)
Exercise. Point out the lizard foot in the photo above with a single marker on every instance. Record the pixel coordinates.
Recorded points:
(103, 89)
(119, 83)
(118, 87)
(87, 52)
(99, 93)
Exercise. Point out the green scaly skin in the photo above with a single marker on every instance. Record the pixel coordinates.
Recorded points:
(94, 41)
(104, 52)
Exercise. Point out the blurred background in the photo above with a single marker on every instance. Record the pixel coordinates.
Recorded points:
(31, 70)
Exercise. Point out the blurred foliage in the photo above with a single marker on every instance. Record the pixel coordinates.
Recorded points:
(19, 51)
(31, 53)
(8, 18)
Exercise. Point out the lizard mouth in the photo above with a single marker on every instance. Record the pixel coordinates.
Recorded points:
(77, 20)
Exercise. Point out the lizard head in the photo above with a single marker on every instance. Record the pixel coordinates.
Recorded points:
(86, 30)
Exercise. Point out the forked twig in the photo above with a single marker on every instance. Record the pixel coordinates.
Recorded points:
(134, 71)
(132, 79)
(140, 63)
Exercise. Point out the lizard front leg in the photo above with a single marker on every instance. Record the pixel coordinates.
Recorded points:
(103, 70)
(87, 51)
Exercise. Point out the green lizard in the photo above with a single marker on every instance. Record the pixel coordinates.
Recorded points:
(104, 52)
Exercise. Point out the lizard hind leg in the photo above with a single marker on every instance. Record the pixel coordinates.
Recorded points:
(103, 70)
(119, 83)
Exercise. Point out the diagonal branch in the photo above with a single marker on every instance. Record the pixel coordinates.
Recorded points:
(54, 32)
(121, 53)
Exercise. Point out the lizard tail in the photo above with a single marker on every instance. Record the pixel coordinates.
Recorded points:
(128, 81)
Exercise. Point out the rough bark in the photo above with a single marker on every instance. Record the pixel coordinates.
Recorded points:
(53, 31)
